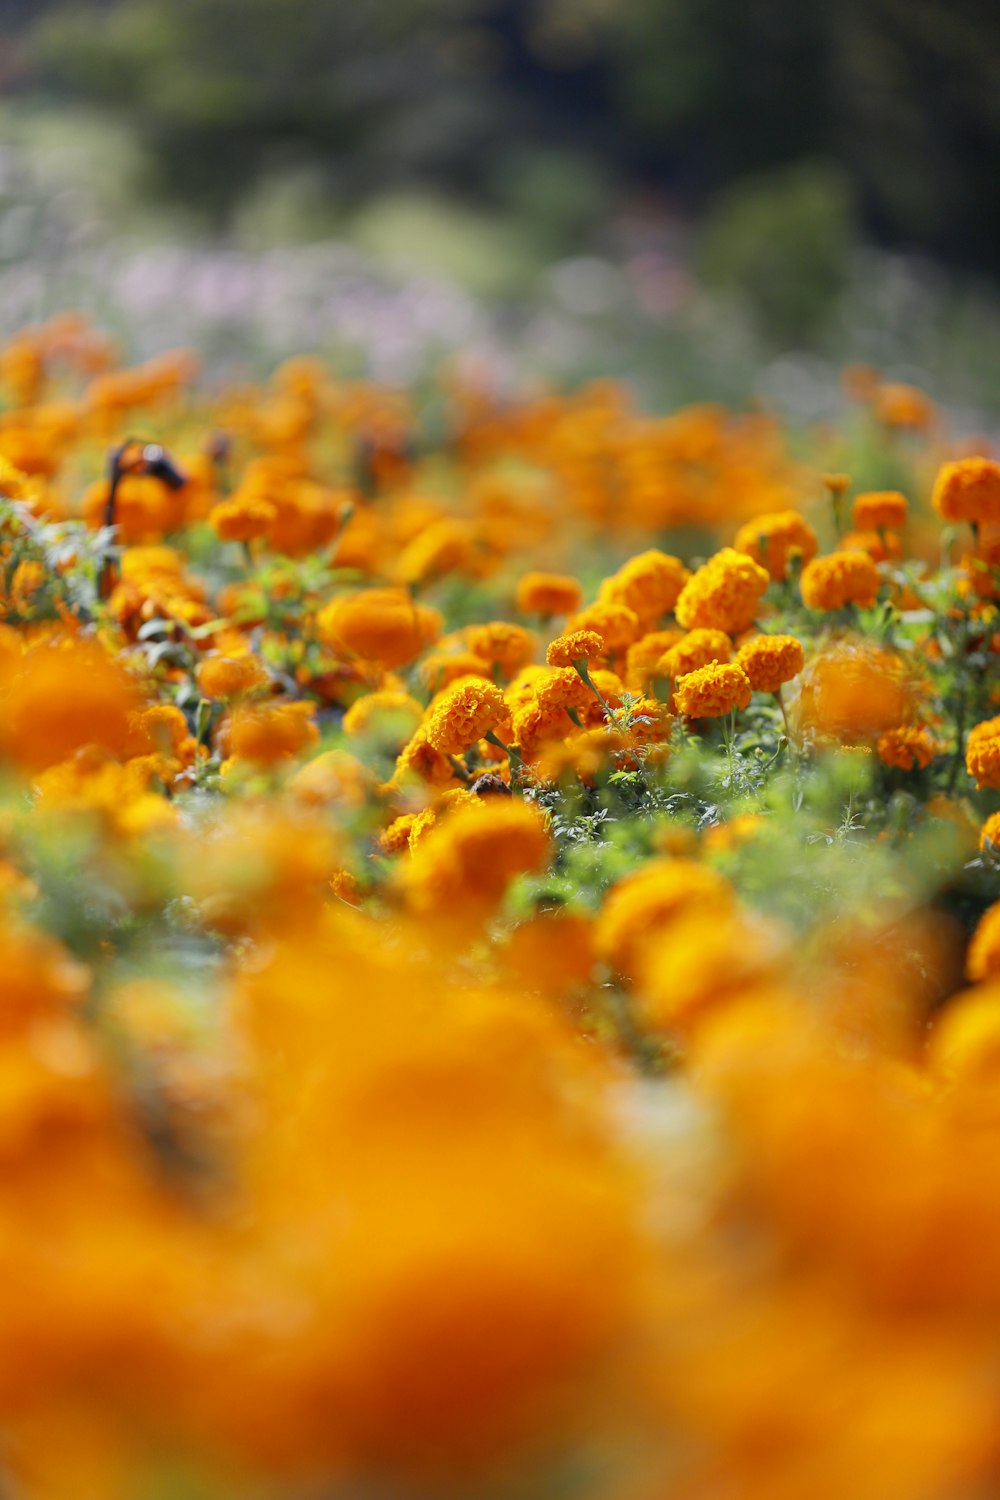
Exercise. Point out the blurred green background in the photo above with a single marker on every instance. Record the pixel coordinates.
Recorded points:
(823, 175)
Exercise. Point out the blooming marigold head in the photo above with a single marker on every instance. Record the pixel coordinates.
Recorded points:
(838, 579)
(982, 960)
(230, 676)
(968, 490)
(465, 863)
(724, 594)
(641, 907)
(616, 624)
(509, 647)
(770, 660)
(908, 748)
(578, 645)
(695, 649)
(709, 692)
(379, 625)
(465, 712)
(242, 518)
(877, 510)
(772, 540)
(269, 733)
(387, 712)
(989, 836)
(548, 594)
(649, 585)
(982, 753)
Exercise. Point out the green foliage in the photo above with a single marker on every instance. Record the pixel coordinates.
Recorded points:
(784, 241)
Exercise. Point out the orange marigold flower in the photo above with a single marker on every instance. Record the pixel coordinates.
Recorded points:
(770, 660)
(616, 624)
(880, 546)
(853, 691)
(642, 659)
(63, 693)
(639, 907)
(230, 676)
(578, 645)
(909, 748)
(439, 668)
(698, 648)
(379, 625)
(548, 594)
(465, 712)
(968, 490)
(880, 509)
(465, 863)
(510, 647)
(989, 837)
(242, 518)
(563, 687)
(724, 594)
(708, 692)
(982, 753)
(900, 405)
(649, 585)
(387, 708)
(269, 733)
(773, 539)
(535, 723)
(419, 760)
(982, 960)
(840, 578)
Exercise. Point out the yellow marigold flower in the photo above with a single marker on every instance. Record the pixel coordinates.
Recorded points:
(770, 660)
(908, 748)
(724, 594)
(880, 509)
(230, 676)
(968, 490)
(709, 692)
(510, 647)
(649, 585)
(642, 905)
(616, 624)
(548, 594)
(464, 714)
(698, 648)
(242, 518)
(578, 645)
(463, 866)
(378, 711)
(989, 837)
(379, 625)
(982, 753)
(773, 539)
(982, 960)
(840, 578)
(61, 694)
(721, 837)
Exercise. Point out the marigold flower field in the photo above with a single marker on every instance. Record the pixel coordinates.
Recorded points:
(500, 941)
